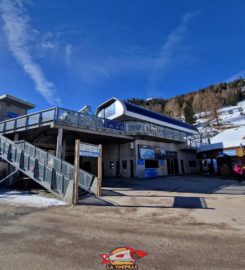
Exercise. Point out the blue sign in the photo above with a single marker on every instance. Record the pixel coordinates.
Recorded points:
(161, 162)
(12, 115)
(225, 153)
(231, 152)
(150, 173)
(89, 150)
(147, 153)
(140, 162)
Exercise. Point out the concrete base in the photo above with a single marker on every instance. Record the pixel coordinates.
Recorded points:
(69, 195)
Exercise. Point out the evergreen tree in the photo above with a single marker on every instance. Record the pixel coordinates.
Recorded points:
(188, 113)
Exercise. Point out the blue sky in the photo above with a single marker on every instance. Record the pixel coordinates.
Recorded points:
(77, 52)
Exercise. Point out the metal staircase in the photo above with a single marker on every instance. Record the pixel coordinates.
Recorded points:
(52, 173)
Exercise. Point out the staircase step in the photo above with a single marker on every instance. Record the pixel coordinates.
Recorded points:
(52, 173)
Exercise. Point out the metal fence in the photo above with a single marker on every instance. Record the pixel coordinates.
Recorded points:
(63, 117)
(141, 128)
(75, 119)
(48, 170)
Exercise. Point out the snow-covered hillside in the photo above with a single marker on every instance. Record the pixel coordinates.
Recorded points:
(230, 120)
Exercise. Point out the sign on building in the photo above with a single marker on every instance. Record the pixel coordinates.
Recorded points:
(89, 150)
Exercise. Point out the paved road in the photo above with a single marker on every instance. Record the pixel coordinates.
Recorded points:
(184, 184)
(176, 238)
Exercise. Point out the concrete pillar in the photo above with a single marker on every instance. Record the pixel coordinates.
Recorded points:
(64, 150)
(59, 143)
(16, 137)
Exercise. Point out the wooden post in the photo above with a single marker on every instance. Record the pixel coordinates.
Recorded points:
(77, 167)
(99, 171)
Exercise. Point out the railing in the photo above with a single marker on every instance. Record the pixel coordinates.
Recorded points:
(28, 120)
(201, 139)
(75, 119)
(51, 172)
(64, 117)
(146, 129)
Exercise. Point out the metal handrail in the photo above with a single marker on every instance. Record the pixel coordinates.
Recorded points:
(49, 171)
(73, 118)
(96, 123)
(31, 114)
(147, 129)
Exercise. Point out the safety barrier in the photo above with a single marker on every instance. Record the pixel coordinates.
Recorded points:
(49, 171)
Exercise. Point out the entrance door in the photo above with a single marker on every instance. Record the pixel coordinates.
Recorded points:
(176, 166)
(168, 166)
(182, 166)
(172, 165)
(131, 168)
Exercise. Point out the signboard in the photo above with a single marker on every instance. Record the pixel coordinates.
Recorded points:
(231, 152)
(224, 153)
(171, 154)
(151, 152)
(240, 152)
(160, 152)
(12, 115)
(147, 153)
(89, 150)
(141, 162)
(150, 173)
(161, 162)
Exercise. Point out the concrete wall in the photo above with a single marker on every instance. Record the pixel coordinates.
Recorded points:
(120, 154)
(117, 154)
(5, 108)
(162, 170)
(189, 159)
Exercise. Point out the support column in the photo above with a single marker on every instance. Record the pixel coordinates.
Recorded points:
(59, 143)
(16, 137)
(64, 150)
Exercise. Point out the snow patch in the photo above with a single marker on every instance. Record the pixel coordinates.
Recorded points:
(17, 197)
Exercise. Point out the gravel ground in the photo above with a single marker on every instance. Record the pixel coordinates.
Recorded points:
(179, 230)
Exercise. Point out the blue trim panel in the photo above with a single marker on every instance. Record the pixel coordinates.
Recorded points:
(142, 111)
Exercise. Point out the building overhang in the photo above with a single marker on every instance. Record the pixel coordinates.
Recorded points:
(17, 101)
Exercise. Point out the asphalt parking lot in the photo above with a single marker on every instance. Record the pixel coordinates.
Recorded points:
(182, 222)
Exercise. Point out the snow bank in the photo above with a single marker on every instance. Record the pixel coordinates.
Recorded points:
(17, 197)
(234, 137)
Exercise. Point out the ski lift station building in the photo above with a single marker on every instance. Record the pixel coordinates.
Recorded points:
(136, 142)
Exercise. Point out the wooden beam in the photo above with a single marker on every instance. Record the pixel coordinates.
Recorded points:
(100, 171)
(77, 167)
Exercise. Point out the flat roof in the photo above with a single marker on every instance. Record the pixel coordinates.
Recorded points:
(17, 101)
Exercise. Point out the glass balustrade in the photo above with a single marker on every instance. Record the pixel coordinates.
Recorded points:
(67, 117)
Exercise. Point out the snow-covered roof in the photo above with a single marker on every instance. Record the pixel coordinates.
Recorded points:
(229, 138)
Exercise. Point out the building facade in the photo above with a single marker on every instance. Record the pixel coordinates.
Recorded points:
(158, 147)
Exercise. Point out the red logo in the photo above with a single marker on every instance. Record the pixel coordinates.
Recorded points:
(122, 258)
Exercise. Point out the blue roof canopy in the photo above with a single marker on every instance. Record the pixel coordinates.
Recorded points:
(142, 111)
